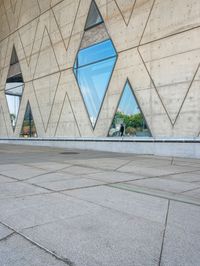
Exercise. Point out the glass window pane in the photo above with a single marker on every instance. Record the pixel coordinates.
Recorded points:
(129, 120)
(14, 93)
(93, 81)
(95, 53)
(14, 58)
(28, 127)
(94, 16)
(14, 88)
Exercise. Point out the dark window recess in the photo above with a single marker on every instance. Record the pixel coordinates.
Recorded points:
(14, 57)
(94, 17)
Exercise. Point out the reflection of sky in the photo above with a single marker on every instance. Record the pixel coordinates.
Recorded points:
(95, 53)
(13, 104)
(93, 76)
(128, 104)
(14, 88)
(13, 95)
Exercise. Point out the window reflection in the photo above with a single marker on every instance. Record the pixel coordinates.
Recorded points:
(28, 127)
(13, 93)
(93, 69)
(14, 88)
(129, 120)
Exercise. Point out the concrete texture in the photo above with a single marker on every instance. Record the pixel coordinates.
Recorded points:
(158, 46)
(85, 208)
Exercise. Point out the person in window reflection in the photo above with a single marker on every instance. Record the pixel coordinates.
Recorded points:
(121, 130)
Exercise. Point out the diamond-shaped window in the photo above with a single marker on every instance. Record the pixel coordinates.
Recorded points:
(14, 87)
(129, 121)
(94, 66)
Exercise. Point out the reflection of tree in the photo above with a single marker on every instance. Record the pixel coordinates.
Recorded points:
(28, 128)
(133, 123)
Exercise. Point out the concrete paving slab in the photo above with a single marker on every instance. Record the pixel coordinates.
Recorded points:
(164, 185)
(73, 183)
(50, 177)
(185, 177)
(193, 193)
(53, 166)
(102, 163)
(22, 172)
(80, 170)
(11, 166)
(4, 232)
(102, 238)
(134, 204)
(181, 244)
(157, 171)
(32, 211)
(114, 176)
(16, 189)
(17, 251)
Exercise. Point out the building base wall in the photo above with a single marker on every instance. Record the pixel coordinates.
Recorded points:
(189, 148)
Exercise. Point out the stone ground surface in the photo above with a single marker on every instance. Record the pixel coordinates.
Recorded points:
(64, 207)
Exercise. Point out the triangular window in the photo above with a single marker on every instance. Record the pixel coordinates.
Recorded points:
(14, 57)
(28, 127)
(129, 120)
(14, 88)
(94, 17)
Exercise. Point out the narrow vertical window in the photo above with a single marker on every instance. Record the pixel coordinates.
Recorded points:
(14, 88)
(94, 63)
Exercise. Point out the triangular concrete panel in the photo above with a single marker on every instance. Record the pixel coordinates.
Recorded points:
(45, 90)
(67, 125)
(27, 37)
(46, 61)
(126, 9)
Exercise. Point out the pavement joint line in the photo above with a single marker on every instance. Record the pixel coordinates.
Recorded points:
(158, 176)
(29, 178)
(157, 194)
(190, 189)
(27, 195)
(40, 168)
(6, 237)
(14, 178)
(164, 232)
(130, 161)
(65, 260)
(52, 221)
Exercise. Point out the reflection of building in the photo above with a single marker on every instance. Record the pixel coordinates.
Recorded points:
(71, 60)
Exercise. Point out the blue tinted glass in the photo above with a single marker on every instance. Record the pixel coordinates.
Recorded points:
(95, 53)
(93, 81)
(128, 104)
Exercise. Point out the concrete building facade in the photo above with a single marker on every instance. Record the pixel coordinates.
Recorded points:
(156, 51)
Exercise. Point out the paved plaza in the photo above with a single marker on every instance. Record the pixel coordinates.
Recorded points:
(71, 207)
